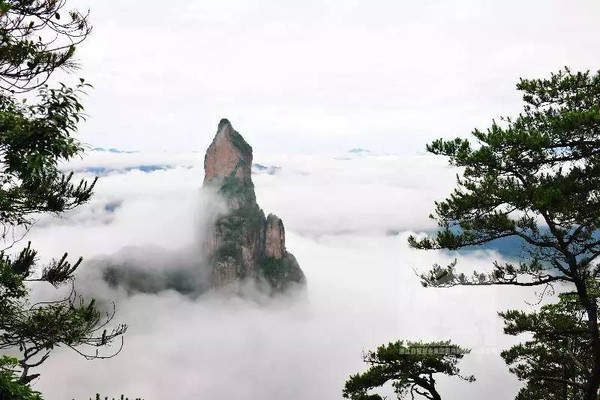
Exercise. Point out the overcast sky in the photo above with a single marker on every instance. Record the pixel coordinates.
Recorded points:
(314, 76)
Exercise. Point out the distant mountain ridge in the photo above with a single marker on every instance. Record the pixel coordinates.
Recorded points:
(358, 151)
(107, 170)
(113, 150)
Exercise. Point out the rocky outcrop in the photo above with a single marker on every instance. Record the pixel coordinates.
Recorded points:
(275, 237)
(243, 244)
(228, 155)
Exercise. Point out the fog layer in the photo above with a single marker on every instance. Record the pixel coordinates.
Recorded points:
(347, 218)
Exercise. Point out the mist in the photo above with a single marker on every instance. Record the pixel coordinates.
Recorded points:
(347, 218)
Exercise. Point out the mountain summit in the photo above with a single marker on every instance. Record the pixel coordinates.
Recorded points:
(243, 244)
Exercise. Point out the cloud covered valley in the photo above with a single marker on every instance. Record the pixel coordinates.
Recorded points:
(347, 218)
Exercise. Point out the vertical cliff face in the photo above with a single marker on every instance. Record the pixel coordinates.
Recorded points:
(243, 243)
(228, 155)
(274, 237)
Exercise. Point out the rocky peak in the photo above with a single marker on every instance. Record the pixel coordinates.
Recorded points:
(228, 155)
(275, 238)
(243, 244)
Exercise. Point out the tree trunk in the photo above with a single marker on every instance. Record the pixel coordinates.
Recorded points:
(591, 308)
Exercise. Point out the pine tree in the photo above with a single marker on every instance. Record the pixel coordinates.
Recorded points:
(410, 367)
(555, 362)
(535, 177)
(37, 38)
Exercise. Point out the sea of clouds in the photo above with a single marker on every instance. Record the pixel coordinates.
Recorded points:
(347, 217)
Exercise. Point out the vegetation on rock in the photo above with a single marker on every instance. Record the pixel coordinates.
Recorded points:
(238, 249)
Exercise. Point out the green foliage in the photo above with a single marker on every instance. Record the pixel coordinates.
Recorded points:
(242, 224)
(36, 329)
(233, 187)
(229, 250)
(543, 165)
(535, 177)
(242, 228)
(281, 273)
(555, 362)
(409, 366)
(239, 142)
(237, 139)
(273, 270)
(36, 38)
(34, 139)
(238, 227)
(10, 387)
(122, 397)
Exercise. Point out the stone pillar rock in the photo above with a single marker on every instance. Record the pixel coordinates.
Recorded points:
(243, 243)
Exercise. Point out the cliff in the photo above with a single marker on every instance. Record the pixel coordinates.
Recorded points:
(243, 244)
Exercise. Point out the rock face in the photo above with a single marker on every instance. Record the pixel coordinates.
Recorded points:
(275, 237)
(243, 243)
(228, 155)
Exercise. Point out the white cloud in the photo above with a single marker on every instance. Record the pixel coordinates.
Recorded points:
(322, 194)
(362, 290)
